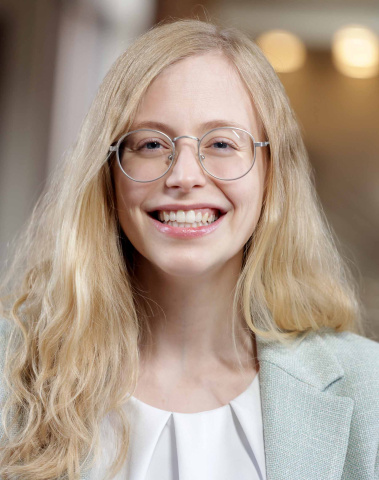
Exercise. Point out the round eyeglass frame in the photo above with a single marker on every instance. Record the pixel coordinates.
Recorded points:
(115, 148)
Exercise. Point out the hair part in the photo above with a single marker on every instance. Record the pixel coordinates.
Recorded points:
(76, 316)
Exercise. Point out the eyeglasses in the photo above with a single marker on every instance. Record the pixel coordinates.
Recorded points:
(226, 153)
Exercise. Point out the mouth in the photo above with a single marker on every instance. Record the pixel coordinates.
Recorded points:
(187, 218)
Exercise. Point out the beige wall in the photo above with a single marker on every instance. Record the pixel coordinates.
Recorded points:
(27, 76)
(54, 55)
(340, 121)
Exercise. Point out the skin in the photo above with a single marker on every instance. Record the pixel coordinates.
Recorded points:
(192, 365)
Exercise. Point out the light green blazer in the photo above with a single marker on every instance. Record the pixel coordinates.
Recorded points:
(320, 407)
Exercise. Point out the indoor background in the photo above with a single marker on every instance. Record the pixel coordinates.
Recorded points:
(54, 54)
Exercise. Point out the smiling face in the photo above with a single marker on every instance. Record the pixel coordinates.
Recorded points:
(195, 91)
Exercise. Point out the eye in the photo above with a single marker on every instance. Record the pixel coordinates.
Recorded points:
(220, 144)
(151, 145)
(143, 146)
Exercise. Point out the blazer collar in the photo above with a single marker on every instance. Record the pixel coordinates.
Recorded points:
(305, 426)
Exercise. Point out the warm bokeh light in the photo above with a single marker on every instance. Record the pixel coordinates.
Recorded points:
(355, 51)
(284, 50)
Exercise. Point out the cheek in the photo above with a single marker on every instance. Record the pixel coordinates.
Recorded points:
(129, 195)
(252, 211)
(247, 199)
(127, 199)
(247, 195)
(124, 195)
(253, 189)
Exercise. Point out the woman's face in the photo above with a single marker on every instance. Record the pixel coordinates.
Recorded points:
(194, 91)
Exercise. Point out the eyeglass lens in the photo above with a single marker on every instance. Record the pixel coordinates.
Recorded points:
(225, 153)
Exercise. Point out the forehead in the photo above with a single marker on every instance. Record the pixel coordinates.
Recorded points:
(197, 90)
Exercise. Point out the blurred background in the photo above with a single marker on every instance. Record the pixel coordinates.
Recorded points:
(54, 54)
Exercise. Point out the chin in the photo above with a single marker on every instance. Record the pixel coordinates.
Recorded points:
(188, 267)
(185, 270)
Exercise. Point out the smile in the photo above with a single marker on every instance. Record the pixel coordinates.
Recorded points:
(187, 219)
(210, 220)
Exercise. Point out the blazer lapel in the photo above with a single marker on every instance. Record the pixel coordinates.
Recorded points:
(305, 428)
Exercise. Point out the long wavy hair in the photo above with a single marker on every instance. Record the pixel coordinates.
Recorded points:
(71, 317)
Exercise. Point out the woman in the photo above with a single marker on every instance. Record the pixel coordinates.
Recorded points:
(179, 289)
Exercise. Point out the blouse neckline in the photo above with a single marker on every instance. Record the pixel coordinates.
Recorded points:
(240, 397)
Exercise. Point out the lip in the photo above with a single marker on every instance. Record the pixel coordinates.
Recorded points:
(175, 206)
(180, 232)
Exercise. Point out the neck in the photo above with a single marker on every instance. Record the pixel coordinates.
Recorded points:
(191, 320)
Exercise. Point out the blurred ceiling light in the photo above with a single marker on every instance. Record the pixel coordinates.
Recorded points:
(284, 50)
(355, 51)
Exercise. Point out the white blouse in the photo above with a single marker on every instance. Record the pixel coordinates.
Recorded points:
(224, 443)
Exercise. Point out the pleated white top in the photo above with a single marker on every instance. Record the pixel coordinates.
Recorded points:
(224, 443)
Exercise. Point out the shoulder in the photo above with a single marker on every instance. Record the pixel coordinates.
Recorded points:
(5, 328)
(357, 355)
(5, 331)
(348, 340)
(358, 358)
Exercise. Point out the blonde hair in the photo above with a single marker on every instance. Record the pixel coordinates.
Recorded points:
(72, 354)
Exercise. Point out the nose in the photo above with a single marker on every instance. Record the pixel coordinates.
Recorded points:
(186, 171)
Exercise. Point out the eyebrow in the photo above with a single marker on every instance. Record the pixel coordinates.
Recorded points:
(205, 126)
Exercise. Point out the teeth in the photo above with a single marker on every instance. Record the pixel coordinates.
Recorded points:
(186, 219)
(190, 216)
(180, 216)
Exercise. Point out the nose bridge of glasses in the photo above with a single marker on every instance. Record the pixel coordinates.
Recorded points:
(185, 136)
